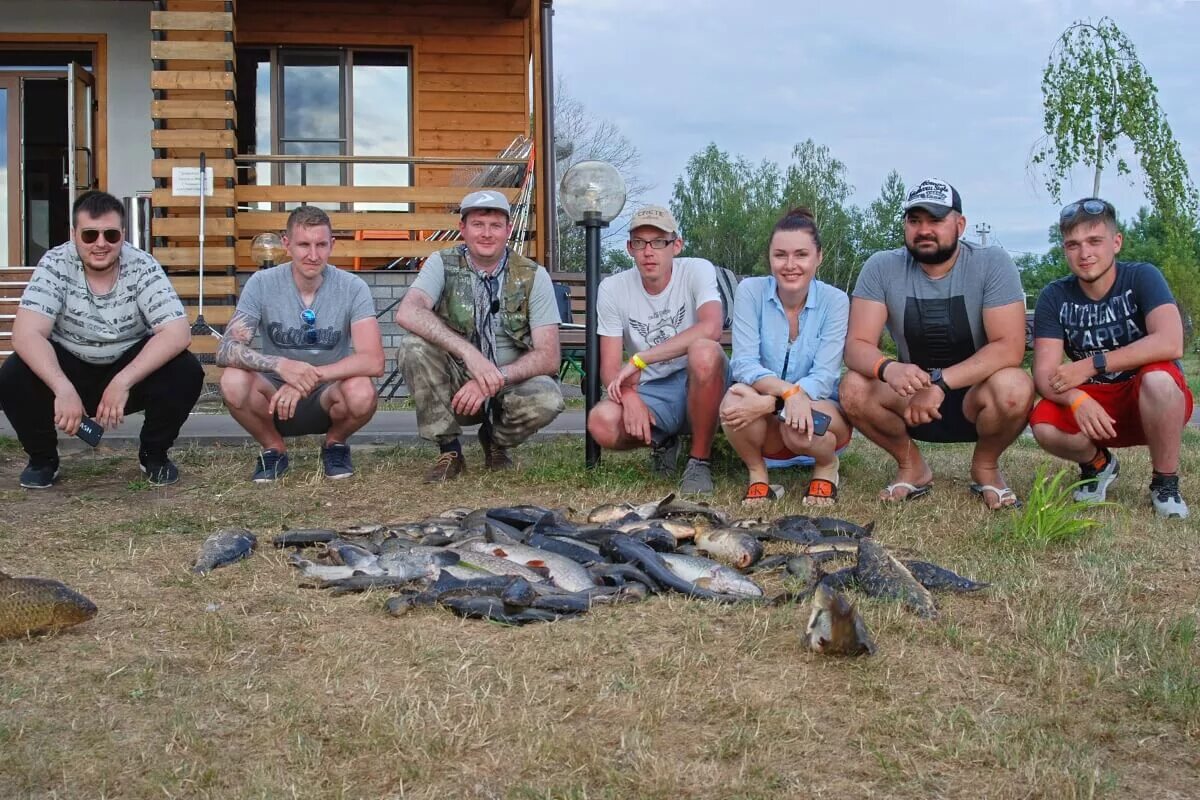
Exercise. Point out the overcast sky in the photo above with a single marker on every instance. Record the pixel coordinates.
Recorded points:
(945, 89)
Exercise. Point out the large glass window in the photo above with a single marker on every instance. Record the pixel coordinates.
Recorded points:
(310, 101)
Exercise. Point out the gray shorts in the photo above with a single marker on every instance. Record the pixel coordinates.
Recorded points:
(309, 417)
(666, 398)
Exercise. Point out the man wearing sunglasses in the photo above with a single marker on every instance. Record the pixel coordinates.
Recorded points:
(321, 347)
(100, 331)
(667, 315)
(482, 341)
(1121, 385)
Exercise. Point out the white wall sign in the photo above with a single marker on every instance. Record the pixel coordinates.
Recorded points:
(185, 181)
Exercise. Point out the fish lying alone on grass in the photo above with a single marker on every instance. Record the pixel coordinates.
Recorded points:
(224, 547)
(524, 563)
(835, 627)
(39, 605)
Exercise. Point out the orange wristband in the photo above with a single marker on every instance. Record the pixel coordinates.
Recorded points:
(1078, 401)
(878, 364)
(789, 392)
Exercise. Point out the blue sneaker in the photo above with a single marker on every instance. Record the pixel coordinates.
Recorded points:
(270, 466)
(39, 474)
(335, 458)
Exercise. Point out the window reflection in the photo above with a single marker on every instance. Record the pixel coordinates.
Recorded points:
(381, 122)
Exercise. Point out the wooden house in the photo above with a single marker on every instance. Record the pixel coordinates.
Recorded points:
(384, 112)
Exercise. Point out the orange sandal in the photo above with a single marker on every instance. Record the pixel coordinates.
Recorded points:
(759, 492)
(821, 487)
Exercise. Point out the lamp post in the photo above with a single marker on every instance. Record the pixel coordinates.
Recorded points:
(266, 250)
(593, 194)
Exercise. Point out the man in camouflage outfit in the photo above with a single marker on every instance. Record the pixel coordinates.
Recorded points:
(482, 342)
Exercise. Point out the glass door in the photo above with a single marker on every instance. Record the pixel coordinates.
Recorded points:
(10, 171)
(81, 149)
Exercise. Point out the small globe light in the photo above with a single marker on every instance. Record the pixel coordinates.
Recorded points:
(593, 190)
(267, 248)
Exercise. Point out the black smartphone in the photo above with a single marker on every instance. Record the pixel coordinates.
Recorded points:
(90, 431)
(820, 419)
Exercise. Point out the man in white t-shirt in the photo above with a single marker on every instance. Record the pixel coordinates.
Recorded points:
(667, 315)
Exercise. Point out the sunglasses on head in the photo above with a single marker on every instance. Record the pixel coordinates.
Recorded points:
(1093, 207)
(309, 318)
(90, 235)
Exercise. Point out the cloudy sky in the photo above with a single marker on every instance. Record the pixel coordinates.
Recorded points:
(946, 89)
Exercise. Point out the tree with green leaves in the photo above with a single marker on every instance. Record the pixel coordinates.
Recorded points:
(882, 222)
(1096, 94)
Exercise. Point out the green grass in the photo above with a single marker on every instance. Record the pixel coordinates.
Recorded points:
(1051, 515)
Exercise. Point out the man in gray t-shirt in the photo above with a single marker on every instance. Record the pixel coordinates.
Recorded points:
(320, 349)
(957, 314)
(482, 341)
(99, 331)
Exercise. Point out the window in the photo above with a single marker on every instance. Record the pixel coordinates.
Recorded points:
(320, 101)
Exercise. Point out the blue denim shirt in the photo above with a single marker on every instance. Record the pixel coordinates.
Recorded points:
(760, 336)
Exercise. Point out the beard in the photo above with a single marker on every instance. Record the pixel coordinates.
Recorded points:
(938, 256)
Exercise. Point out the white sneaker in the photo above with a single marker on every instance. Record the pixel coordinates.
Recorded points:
(1096, 482)
(1165, 497)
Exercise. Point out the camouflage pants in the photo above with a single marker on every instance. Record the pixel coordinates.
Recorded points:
(434, 376)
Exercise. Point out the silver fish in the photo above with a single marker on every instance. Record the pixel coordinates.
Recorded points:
(563, 571)
(730, 545)
(708, 574)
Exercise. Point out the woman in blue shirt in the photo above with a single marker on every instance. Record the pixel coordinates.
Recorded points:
(789, 330)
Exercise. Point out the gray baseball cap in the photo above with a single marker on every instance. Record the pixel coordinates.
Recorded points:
(484, 201)
(935, 196)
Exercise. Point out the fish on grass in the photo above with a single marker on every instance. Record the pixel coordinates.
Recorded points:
(39, 605)
(880, 574)
(224, 547)
(835, 627)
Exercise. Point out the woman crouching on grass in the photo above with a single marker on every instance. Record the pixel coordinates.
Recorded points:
(789, 330)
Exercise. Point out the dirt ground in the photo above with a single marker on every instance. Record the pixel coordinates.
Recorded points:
(1076, 675)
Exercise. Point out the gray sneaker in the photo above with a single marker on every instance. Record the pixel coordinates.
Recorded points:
(697, 478)
(1165, 497)
(664, 456)
(1096, 481)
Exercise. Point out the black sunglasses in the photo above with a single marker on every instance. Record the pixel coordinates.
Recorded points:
(1093, 207)
(309, 318)
(90, 235)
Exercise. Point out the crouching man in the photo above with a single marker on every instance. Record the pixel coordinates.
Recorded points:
(321, 347)
(100, 332)
(482, 342)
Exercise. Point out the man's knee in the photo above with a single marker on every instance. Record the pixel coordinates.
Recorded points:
(1159, 389)
(537, 401)
(1011, 390)
(359, 396)
(604, 424)
(236, 386)
(705, 358)
(854, 393)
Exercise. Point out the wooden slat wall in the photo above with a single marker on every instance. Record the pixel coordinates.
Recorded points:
(469, 74)
(193, 112)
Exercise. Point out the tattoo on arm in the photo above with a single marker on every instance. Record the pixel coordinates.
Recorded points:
(235, 350)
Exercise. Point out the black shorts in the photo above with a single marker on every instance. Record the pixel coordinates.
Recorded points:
(953, 426)
(309, 418)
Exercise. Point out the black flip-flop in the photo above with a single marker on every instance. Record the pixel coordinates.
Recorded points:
(914, 491)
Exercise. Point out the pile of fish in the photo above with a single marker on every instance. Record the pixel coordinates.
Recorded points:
(525, 563)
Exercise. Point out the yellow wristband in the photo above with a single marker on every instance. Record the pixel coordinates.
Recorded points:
(789, 392)
(1078, 401)
(638, 361)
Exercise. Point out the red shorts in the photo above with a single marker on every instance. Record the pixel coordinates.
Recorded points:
(787, 455)
(1120, 400)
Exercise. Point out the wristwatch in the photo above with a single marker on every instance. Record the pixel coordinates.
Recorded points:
(1100, 363)
(935, 377)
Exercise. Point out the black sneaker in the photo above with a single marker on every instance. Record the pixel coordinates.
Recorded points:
(39, 474)
(1094, 482)
(664, 456)
(270, 466)
(335, 458)
(159, 469)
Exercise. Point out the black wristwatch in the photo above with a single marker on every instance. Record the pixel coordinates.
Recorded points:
(935, 377)
(1100, 363)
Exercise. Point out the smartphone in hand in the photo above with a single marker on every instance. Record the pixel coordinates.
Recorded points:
(90, 431)
(820, 419)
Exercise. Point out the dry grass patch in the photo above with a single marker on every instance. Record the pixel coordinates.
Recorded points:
(1076, 675)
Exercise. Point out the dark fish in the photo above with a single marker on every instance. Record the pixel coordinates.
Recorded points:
(842, 579)
(828, 525)
(39, 605)
(936, 578)
(304, 537)
(576, 552)
(224, 547)
(622, 548)
(657, 537)
(362, 529)
(769, 563)
(835, 627)
(622, 575)
(570, 603)
(881, 575)
(493, 608)
(363, 583)
(352, 555)
(512, 589)
(671, 506)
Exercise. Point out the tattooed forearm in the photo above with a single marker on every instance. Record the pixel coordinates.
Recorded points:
(235, 350)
